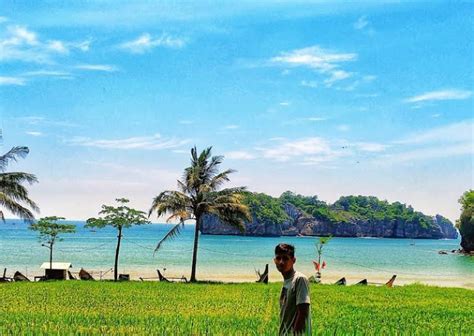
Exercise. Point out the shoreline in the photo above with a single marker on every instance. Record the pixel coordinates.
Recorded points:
(328, 277)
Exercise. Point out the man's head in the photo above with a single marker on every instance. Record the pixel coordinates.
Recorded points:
(284, 257)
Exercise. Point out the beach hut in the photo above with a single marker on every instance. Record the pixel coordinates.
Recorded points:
(58, 271)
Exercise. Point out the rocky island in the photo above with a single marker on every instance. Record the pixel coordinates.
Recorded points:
(350, 216)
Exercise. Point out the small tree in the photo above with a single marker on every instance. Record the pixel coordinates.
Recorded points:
(465, 223)
(49, 231)
(319, 251)
(120, 217)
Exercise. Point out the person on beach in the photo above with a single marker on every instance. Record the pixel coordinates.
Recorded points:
(295, 313)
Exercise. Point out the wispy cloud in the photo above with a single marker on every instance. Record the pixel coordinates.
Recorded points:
(371, 147)
(18, 43)
(154, 142)
(461, 131)
(312, 84)
(313, 57)
(147, 42)
(231, 127)
(363, 24)
(324, 62)
(343, 128)
(12, 80)
(441, 142)
(97, 67)
(450, 94)
(186, 122)
(239, 155)
(284, 103)
(307, 148)
(33, 133)
(39, 120)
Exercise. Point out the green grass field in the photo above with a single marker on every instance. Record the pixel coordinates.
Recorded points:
(151, 308)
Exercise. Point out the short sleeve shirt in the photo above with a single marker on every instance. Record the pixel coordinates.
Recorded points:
(295, 291)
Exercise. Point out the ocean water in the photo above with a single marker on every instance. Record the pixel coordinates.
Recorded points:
(234, 257)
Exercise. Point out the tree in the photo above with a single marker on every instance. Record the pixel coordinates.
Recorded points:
(319, 251)
(199, 195)
(465, 223)
(49, 231)
(120, 217)
(13, 194)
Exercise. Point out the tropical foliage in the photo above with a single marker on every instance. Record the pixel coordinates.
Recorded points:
(199, 194)
(466, 221)
(13, 194)
(49, 230)
(344, 210)
(151, 308)
(120, 217)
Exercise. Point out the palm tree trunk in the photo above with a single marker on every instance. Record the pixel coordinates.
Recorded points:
(195, 249)
(51, 256)
(117, 250)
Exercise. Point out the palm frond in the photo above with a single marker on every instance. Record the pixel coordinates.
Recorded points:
(169, 202)
(175, 231)
(18, 177)
(13, 154)
(15, 208)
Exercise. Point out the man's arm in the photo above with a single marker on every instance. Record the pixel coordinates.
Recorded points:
(302, 311)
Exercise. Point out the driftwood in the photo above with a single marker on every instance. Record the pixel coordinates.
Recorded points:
(263, 277)
(341, 282)
(20, 277)
(84, 275)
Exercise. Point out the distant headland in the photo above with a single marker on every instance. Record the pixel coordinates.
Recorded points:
(350, 216)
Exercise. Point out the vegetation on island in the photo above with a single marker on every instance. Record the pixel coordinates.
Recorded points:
(120, 217)
(346, 209)
(465, 223)
(49, 230)
(199, 194)
(13, 194)
(158, 308)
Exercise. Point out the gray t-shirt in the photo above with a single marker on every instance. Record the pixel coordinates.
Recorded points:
(294, 292)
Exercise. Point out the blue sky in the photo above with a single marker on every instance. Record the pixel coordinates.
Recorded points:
(327, 99)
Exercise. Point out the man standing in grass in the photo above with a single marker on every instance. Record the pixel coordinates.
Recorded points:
(295, 314)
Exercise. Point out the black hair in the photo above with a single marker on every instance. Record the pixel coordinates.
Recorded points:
(285, 249)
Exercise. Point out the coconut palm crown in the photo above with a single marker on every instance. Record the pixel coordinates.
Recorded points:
(13, 194)
(199, 194)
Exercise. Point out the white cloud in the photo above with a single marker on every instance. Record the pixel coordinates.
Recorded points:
(343, 128)
(286, 150)
(3, 19)
(230, 127)
(97, 67)
(456, 132)
(47, 73)
(186, 122)
(239, 155)
(12, 80)
(432, 152)
(361, 23)
(154, 142)
(146, 42)
(285, 103)
(336, 76)
(18, 43)
(311, 84)
(313, 57)
(450, 94)
(35, 134)
(371, 147)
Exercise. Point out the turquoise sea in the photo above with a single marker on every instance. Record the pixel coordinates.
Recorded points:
(235, 258)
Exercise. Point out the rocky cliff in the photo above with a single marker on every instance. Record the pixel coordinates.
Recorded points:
(299, 223)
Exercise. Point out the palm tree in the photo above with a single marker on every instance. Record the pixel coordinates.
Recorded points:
(12, 191)
(199, 195)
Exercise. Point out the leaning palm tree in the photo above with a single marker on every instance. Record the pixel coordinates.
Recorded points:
(13, 195)
(199, 194)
